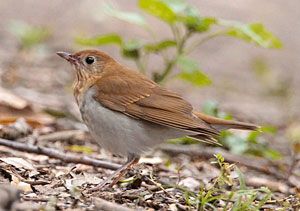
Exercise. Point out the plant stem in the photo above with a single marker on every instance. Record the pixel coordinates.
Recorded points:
(176, 33)
(180, 50)
(203, 40)
(169, 67)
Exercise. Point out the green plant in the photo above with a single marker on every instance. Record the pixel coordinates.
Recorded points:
(226, 192)
(28, 35)
(225, 171)
(211, 107)
(185, 22)
(254, 142)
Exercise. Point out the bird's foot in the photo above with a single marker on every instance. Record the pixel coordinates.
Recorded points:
(115, 178)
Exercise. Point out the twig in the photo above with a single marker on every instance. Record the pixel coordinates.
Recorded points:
(273, 185)
(31, 182)
(52, 153)
(180, 50)
(208, 152)
(101, 204)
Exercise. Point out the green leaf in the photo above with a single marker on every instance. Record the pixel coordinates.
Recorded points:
(253, 136)
(190, 16)
(269, 129)
(131, 49)
(210, 107)
(156, 47)
(219, 157)
(271, 154)
(177, 6)
(195, 77)
(255, 33)
(100, 40)
(267, 197)
(129, 17)
(28, 35)
(241, 178)
(158, 8)
(199, 24)
(191, 73)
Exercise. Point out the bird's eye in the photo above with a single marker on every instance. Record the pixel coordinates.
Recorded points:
(89, 60)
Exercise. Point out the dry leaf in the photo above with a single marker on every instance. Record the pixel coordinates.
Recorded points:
(79, 180)
(20, 185)
(18, 163)
(33, 122)
(173, 207)
(190, 183)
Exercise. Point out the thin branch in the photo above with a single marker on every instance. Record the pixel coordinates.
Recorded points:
(272, 184)
(180, 50)
(176, 33)
(168, 69)
(52, 153)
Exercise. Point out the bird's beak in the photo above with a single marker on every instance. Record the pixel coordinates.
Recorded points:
(67, 56)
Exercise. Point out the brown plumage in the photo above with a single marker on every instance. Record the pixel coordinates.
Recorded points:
(133, 94)
(109, 94)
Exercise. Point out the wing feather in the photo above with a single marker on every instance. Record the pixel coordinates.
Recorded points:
(133, 94)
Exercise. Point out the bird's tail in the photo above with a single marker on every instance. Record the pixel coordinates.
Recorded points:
(221, 124)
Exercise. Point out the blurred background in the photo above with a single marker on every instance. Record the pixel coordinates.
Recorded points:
(234, 66)
(236, 79)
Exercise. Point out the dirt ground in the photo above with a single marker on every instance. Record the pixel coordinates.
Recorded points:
(44, 81)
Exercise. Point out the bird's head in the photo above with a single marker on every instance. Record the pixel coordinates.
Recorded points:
(88, 63)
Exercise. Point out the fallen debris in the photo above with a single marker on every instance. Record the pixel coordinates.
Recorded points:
(101, 204)
(16, 130)
(67, 158)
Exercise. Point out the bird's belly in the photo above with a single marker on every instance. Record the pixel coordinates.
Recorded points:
(121, 134)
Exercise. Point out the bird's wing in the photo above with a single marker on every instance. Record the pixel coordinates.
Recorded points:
(133, 94)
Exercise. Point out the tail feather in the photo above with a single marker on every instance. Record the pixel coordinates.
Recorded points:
(221, 124)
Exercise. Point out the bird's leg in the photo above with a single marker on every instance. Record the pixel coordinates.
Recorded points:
(116, 176)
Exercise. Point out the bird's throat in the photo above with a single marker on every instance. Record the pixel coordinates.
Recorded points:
(81, 84)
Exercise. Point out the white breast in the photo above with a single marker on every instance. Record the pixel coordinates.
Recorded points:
(119, 133)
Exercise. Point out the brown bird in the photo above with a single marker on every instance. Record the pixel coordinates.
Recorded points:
(127, 113)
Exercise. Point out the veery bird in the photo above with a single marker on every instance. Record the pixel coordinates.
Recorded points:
(127, 113)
